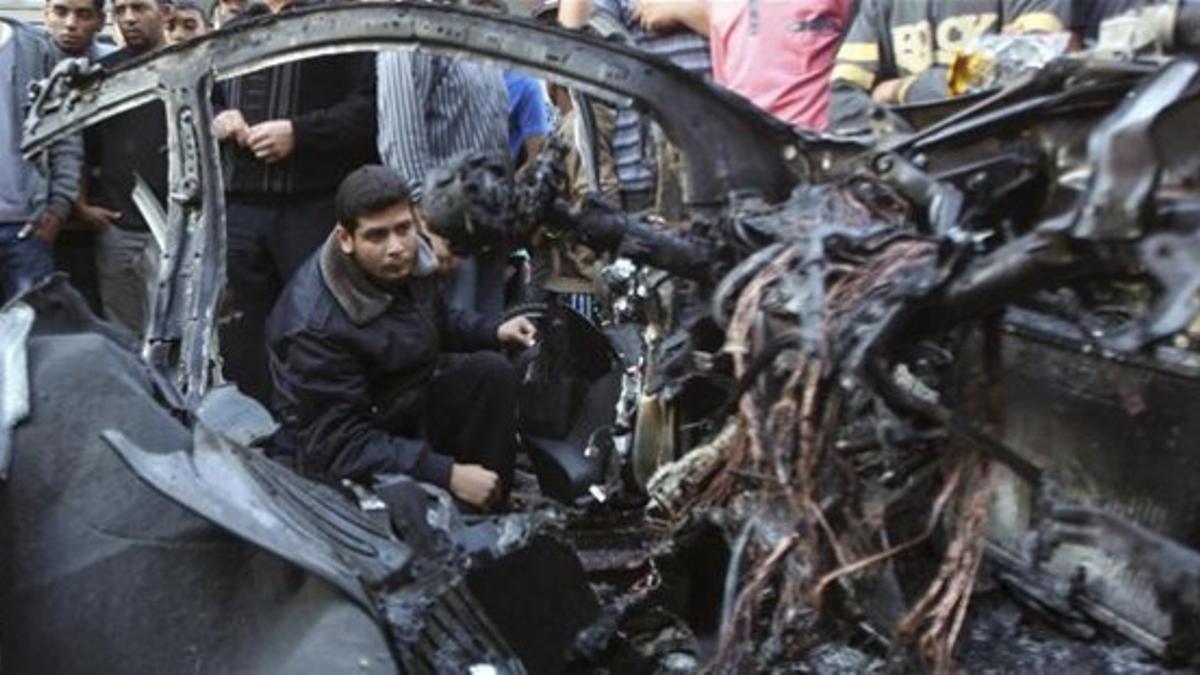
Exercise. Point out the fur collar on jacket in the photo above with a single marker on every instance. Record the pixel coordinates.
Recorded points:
(361, 299)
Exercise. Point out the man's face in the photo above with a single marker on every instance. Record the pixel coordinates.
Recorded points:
(230, 8)
(385, 243)
(184, 25)
(73, 24)
(141, 23)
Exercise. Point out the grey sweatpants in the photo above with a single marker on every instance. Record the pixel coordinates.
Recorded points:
(126, 268)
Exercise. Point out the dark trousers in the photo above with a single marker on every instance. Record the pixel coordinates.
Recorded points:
(23, 262)
(266, 242)
(471, 408)
(75, 254)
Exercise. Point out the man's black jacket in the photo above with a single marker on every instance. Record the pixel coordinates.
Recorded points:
(349, 361)
(131, 144)
(330, 101)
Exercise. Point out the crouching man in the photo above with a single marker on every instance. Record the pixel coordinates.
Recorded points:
(360, 354)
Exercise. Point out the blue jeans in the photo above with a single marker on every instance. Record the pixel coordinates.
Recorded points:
(23, 262)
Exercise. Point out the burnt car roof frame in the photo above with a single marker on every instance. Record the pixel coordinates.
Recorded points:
(743, 149)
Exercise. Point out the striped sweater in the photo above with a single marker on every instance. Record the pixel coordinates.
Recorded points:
(915, 41)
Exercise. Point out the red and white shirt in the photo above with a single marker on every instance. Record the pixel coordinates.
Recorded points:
(779, 53)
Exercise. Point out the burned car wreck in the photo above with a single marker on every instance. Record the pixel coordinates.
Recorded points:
(913, 402)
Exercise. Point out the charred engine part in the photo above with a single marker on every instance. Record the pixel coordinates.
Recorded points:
(601, 226)
(824, 323)
(1172, 570)
(1166, 27)
(471, 202)
(474, 205)
(1107, 231)
(1071, 250)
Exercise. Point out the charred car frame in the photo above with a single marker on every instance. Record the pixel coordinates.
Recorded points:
(932, 366)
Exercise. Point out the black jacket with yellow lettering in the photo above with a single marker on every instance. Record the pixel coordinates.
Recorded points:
(915, 41)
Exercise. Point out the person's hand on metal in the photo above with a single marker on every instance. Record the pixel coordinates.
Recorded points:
(271, 141)
(655, 15)
(666, 16)
(518, 331)
(96, 218)
(231, 125)
(474, 484)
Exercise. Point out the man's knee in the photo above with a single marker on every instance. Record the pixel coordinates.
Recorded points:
(494, 373)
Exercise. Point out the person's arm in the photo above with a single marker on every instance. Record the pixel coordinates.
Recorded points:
(404, 86)
(65, 170)
(1037, 16)
(533, 145)
(932, 84)
(332, 423)
(63, 167)
(606, 123)
(857, 70)
(574, 14)
(92, 217)
(463, 330)
(665, 16)
(345, 126)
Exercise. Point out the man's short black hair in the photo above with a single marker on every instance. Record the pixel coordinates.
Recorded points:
(369, 189)
(97, 4)
(192, 6)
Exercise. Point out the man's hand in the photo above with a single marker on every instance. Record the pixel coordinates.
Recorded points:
(665, 16)
(96, 218)
(44, 228)
(271, 141)
(655, 15)
(888, 93)
(230, 125)
(474, 484)
(518, 331)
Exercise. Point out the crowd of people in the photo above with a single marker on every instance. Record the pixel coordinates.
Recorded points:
(341, 307)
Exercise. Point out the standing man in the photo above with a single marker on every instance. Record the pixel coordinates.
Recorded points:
(119, 150)
(290, 133)
(365, 383)
(776, 53)
(900, 51)
(73, 26)
(647, 167)
(528, 116)
(431, 110)
(35, 197)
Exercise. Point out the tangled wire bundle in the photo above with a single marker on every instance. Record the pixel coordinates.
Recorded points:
(785, 459)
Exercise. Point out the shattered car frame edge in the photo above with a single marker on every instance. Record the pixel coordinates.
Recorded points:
(744, 150)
